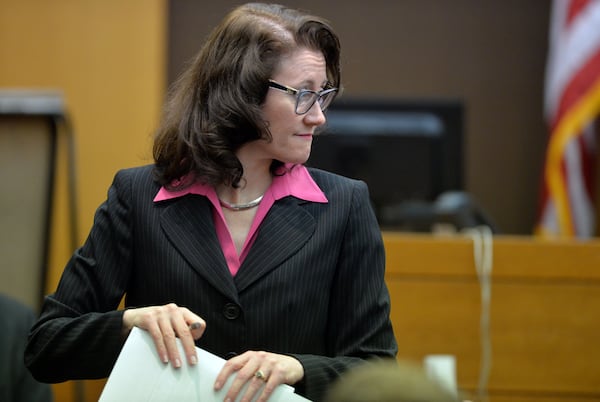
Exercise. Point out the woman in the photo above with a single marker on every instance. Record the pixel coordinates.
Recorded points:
(228, 241)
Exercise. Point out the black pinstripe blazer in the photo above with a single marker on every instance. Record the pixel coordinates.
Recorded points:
(312, 285)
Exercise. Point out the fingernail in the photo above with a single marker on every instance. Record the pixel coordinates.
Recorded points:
(177, 363)
(194, 360)
(195, 325)
(217, 385)
(165, 359)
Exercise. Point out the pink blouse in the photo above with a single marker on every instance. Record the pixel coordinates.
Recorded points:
(296, 182)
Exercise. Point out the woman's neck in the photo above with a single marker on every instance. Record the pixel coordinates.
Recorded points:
(254, 183)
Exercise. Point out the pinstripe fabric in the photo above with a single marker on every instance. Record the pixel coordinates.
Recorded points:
(311, 286)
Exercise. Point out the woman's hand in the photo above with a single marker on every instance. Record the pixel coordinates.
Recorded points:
(165, 323)
(258, 369)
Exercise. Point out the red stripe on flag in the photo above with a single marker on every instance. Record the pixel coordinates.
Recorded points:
(575, 8)
(577, 87)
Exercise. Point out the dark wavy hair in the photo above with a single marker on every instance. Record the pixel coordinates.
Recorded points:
(215, 105)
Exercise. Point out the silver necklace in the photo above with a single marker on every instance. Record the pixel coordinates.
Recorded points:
(241, 207)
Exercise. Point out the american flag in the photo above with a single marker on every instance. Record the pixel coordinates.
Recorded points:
(572, 110)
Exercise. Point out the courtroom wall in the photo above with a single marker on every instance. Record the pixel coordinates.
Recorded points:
(489, 53)
(108, 59)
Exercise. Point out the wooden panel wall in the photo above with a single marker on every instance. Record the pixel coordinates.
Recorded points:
(108, 58)
(545, 304)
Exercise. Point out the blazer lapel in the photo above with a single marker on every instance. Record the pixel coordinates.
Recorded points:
(285, 229)
(188, 223)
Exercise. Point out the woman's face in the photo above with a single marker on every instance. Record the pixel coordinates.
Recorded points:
(292, 133)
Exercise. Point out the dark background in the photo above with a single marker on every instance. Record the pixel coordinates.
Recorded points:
(489, 54)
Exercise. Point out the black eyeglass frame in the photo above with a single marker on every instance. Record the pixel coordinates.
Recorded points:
(298, 93)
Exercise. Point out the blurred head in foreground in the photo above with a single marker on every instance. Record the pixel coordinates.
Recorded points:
(388, 381)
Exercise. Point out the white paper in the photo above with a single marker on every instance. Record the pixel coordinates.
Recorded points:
(442, 368)
(139, 375)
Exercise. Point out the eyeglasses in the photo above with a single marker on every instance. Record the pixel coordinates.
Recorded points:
(305, 98)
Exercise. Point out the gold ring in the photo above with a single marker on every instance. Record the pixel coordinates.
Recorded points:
(260, 375)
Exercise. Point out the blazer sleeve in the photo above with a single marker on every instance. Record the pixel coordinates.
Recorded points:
(359, 326)
(79, 333)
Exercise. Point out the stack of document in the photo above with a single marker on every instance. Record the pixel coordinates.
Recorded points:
(139, 375)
